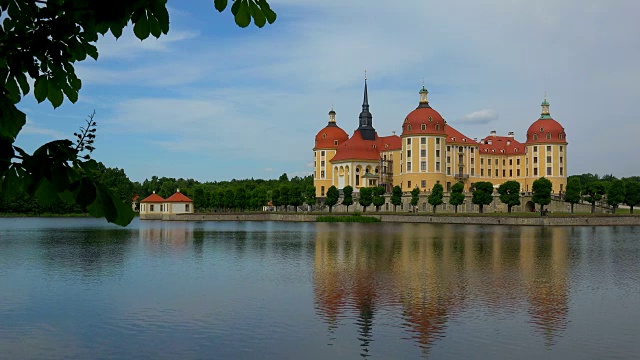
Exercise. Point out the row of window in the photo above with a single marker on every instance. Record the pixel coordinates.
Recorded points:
(423, 140)
(162, 207)
(423, 127)
(560, 136)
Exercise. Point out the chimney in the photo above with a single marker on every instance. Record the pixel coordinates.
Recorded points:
(475, 139)
(493, 133)
(511, 134)
(393, 132)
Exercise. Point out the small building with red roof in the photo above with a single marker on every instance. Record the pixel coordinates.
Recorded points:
(154, 207)
(178, 203)
(430, 151)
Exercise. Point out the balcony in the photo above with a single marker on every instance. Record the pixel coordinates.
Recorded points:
(460, 176)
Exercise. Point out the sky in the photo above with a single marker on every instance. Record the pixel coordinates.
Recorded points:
(212, 101)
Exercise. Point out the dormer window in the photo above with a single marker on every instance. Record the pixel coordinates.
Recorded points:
(464, 140)
(324, 136)
(409, 127)
(541, 129)
(549, 136)
(535, 136)
(423, 127)
(437, 127)
(560, 136)
(335, 142)
(374, 146)
(430, 119)
(515, 150)
(386, 146)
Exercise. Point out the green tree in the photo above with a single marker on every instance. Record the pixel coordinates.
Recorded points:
(632, 194)
(572, 193)
(347, 199)
(310, 195)
(457, 195)
(378, 197)
(283, 195)
(366, 197)
(510, 193)
(616, 194)
(593, 193)
(199, 199)
(541, 189)
(43, 40)
(415, 197)
(396, 196)
(296, 196)
(435, 198)
(332, 197)
(229, 199)
(482, 194)
(283, 178)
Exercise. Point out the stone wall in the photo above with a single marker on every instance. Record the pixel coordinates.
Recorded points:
(487, 220)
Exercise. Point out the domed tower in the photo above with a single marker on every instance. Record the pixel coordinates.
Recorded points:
(546, 149)
(327, 141)
(423, 146)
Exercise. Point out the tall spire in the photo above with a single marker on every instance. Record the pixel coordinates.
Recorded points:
(332, 117)
(366, 119)
(424, 97)
(545, 108)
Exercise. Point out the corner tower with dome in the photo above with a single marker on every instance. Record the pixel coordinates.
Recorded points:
(431, 151)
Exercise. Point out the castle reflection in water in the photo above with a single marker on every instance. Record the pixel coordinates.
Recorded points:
(434, 273)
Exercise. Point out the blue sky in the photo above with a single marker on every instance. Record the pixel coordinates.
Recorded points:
(212, 101)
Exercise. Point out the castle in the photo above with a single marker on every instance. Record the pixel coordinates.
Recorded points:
(431, 151)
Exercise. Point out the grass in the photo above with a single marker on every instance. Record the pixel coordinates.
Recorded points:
(348, 218)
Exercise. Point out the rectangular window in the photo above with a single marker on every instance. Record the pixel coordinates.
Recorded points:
(423, 141)
(448, 148)
(322, 163)
(423, 183)
(423, 166)
(438, 166)
(510, 173)
(549, 170)
(535, 159)
(437, 153)
(517, 161)
(186, 207)
(423, 152)
(408, 154)
(518, 173)
(473, 172)
(527, 172)
(322, 174)
(437, 141)
(448, 159)
(151, 207)
(322, 153)
(409, 141)
(409, 184)
(510, 162)
(322, 191)
(408, 166)
(496, 161)
(560, 159)
(481, 161)
(535, 171)
(496, 172)
(161, 208)
(504, 162)
(481, 172)
(535, 149)
(548, 148)
(472, 161)
(548, 159)
(561, 172)
(561, 148)
(448, 171)
(472, 150)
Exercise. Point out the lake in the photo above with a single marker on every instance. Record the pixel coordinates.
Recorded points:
(79, 288)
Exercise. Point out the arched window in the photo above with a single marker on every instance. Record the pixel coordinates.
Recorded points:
(548, 136)
(409, 127)
(423, 127)
(437, 127)
(335, 142)
(535, 136)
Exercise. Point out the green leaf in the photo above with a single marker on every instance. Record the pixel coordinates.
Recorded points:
(11, 119)
(86, 194)
(47, 192)
(159, 10)
(220, 5)
(243, 17)
(91, 50)
(270, 15)
(76, 83)
(154, 27)
(258, 17)
(235, 7)
(11, 183)
(14, 90)
(54, 94)
(116, 30)
(41, 88)
(70, 93)
(141, 27)
(24, 84)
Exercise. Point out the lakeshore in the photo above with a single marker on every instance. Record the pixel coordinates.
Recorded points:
(471, 219)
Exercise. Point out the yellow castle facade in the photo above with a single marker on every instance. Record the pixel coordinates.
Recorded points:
(430, 151)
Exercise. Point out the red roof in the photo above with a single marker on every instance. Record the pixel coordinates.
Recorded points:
(456, 137)
(153, 198)
(546, 131)
(178, 197)
(501, 145)
(423, 120)
(388, 143)
(325, 139)
(356, 148)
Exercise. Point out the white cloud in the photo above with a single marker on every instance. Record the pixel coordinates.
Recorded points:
(309, 165)
(268, 169)
(480, 117)
(31, 128)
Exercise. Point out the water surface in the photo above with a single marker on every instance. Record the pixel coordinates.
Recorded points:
(81, 288)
